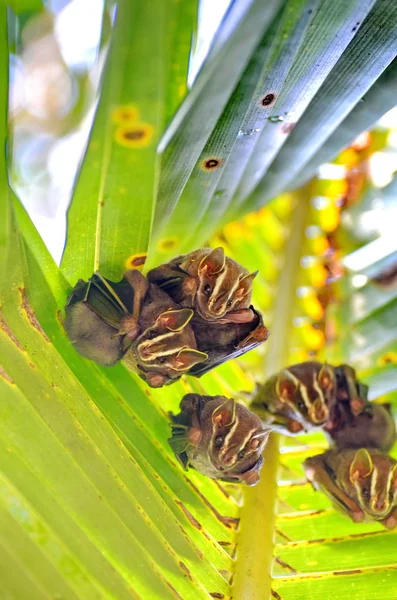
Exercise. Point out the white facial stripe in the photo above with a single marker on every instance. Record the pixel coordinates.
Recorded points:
(230, 434)
(218, 288)
(374, 482)
(159, 339)
(386, 489)
(389, 482)
(320, 393)
(305, 396)
(292, 377)
(218, 283)
(317, 387)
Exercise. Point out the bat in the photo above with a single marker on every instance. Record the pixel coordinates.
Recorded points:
(133, 321)
(360, 482)
(219, 438)
(309, 395)
(216, 287)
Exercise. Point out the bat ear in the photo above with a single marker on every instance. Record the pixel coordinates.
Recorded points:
(176, 320)
(326, 377)
(225, 414)
(259, 439)
(362, 465)
(213, 263)
(187, 358)
(286, 386)
(245, 285)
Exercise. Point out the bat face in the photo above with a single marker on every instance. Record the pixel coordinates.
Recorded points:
(361, 483)
(373, 484)
(219, 438)
(223, 287)
(215, 286)
(298, 398)
(166, 349)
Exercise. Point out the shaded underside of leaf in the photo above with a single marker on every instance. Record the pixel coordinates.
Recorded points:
(221, 162)
(202, 108)
(371, 50)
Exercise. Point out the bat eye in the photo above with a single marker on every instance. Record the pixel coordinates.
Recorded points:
(219, 441)
(161, 359)
(207, 290)
(229, 303)
(366, 494)
(150, 335)
(241, 454)
(300, 405)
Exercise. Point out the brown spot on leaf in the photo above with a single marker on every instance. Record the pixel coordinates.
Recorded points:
(268, 99)
(189, 515)
(5, 376)
(210, 164)
(30, 315)
(275, 595)
(134, 134)
(217, 595)
(281, 534)
(349, 572)
(137, 135)
(8, 332)
(174, 590)
(227, 521)
(136, 261)
(285, 565)
(186, 570)
(168, 244)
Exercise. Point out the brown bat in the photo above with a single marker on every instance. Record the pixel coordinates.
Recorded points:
(216, 287)
(220, 438)
(306, 395)
(99, 312)
(133, 321)
(361, 483)
(166, 348)
(373, 428)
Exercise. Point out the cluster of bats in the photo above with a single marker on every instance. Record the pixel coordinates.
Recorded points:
(194, 313)
(224, 439)
(186, 316)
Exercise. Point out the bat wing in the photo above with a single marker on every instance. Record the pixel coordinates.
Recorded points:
(108, 300)
(240, 345)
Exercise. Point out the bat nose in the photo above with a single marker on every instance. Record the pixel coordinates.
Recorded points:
(381, 505)
(217, 306)
(227, 458)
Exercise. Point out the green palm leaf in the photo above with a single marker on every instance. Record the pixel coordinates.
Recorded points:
(93, 504)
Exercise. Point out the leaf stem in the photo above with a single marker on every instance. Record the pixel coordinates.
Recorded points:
(252, 577)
